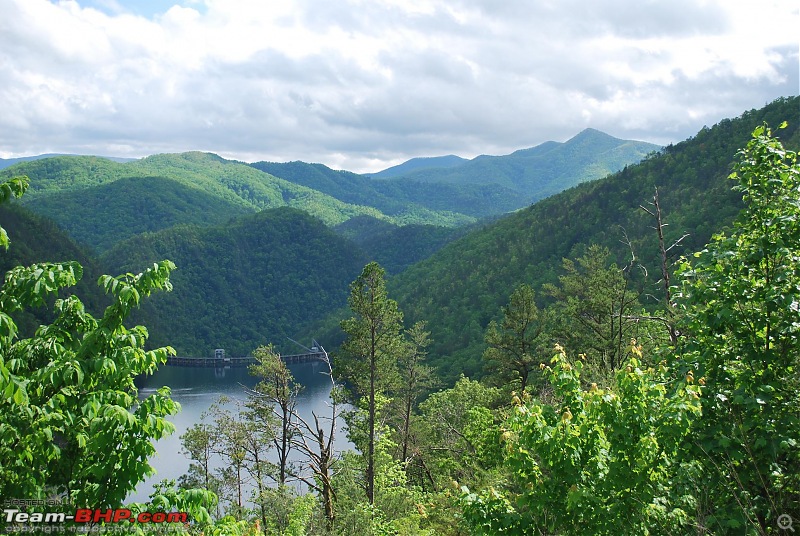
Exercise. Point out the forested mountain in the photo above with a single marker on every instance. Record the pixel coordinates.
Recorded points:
(241, 285)
(35, 239)
(99, 201)
(484, 186)
(215, 183)
(462, 287)
(394, 247)
(238, 282)
(546, 169)
(106, 214)
(7, 162)
(416, 164)
(402, 199)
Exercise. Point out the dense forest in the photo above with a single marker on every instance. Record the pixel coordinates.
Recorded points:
(246, 283)
(619, 358)
(190, 208)
(464, 285)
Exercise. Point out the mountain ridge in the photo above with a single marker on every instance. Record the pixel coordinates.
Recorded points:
(417, 163)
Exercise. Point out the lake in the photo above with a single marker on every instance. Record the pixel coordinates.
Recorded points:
(197, 388)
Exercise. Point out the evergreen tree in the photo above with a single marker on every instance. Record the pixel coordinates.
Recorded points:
(595, 308)
(518, 343)
(370, 352)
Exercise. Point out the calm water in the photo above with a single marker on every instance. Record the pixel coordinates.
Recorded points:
(196, 389)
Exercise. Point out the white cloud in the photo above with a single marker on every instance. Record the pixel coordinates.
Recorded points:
(362, 84)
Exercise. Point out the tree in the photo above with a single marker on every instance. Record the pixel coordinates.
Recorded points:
(68, 390)
(451, 422)
(517, 343)
(274, 399)
(230, 443)
(596, 461)
(414, 379)
(198, 445)
(595, 308)
(370, 352)
(311, 439)
(740, 300)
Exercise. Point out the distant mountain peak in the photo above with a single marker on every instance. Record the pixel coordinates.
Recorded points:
(592, 133)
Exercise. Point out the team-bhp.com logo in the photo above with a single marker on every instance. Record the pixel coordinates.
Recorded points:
(95, 515)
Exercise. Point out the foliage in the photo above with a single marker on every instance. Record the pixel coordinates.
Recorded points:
(68, 390)
(13, 187)
(403, 202)
(100, 202)
(369, 355)
(166, 497)
(594, 462)
(595, 306)
(464, 284)
(244, 284)
(103, 215)
(415, 379)
(740, 300)
(516, 344)
(397, 508)
(397, 248)
(452, 432)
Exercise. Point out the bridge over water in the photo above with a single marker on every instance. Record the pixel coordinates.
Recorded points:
(220, 360)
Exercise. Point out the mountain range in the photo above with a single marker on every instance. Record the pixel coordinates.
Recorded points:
(266, 250)
(8, 162)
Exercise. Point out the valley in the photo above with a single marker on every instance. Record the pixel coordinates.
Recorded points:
(578, 354)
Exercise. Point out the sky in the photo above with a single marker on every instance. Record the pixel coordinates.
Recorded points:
(365, 84)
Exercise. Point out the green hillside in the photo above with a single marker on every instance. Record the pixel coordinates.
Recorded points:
(406, 201)
(416, 164)
(546, 169)
(396, 248)
(36, 239)
(216, 184)
(244, 284)
(105, 214)
(484, 186)
(461, 288)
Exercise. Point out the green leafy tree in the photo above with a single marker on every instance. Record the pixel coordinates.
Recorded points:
(241, 440)
(370, 352)
(517, 344)
(68, 391)
(741, 303)
(595, 461)
(451, 421)
(198, 445)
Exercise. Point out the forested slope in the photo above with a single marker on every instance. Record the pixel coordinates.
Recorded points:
(403, 199)
(241, 285)
(461, 288)
(85, 185)
(35, 239)
(105, 214)
(546, 169)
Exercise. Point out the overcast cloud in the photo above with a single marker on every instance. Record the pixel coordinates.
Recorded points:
(364, 84)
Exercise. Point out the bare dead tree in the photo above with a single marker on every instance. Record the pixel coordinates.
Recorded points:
(315, 440)
(664, 251)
